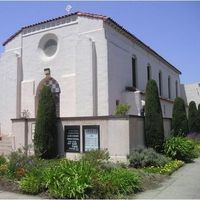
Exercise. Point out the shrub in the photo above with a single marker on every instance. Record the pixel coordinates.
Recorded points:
(179, 118)
(69, 179)
(2, 160)
(19, 163)
(96, 156)
(122, 109)
(109, 165)
(154, 130)
(167, 169)
(45, 137)
(31, 184)
(196, 144)
(192, 117)
(35, 180)
(179, 148)
(117, 182)
(140, 158)
(79, 179)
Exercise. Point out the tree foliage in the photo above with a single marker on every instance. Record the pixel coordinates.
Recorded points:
(154, 130)
(192, 117)
(198, 119)
(122, 109)
(179, 118)
(45, 138)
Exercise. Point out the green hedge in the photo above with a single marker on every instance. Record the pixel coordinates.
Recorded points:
(192, 117)
(179, 118)
(154, 129)
(45, 137)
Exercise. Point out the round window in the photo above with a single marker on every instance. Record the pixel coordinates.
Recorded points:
(50, 47)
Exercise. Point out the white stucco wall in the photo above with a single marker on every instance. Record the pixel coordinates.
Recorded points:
(62, 65)
(72, 67)
(118, 135)
(134, 100)
(8, 87)
(114, 135)
(191, 92)
(167, 108)
(92, 66)
(120, 53)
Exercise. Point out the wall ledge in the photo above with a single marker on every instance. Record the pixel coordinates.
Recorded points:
(107, 117)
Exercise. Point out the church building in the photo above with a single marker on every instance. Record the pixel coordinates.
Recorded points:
(92, 64)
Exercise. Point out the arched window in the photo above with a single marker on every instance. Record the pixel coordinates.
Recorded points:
(169, 87)
(160, 82)
(55, 89)
(176, 85)
(134, 72)
(148, 72)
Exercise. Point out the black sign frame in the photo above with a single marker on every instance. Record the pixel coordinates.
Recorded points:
(66, 129)
(91, 127)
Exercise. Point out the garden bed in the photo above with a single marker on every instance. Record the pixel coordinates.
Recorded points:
(148, 181)
(93, 176)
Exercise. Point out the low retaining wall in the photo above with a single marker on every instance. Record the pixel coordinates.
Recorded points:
(116, 134)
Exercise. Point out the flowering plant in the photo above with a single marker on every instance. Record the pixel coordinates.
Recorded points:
(167, 169)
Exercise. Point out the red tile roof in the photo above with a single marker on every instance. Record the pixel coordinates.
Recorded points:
(107, 20)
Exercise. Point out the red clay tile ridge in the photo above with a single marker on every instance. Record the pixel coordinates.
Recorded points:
(107, 20)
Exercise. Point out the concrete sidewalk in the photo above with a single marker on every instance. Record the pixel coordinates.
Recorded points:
(11, 195)
(183, 184)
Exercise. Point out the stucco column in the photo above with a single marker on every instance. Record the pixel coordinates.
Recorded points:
(138, 102)
(94, 81)
(18, 86)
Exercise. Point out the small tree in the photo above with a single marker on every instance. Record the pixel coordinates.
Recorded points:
(45, 138)
(179, 118)
(154, 130)
(192, 117)
(122, 109)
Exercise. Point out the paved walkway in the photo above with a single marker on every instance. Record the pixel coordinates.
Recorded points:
(11, 195)
(183, 184)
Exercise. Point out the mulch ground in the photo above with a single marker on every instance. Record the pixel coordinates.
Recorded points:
(152, 181)
(8, 185)
(12, 186)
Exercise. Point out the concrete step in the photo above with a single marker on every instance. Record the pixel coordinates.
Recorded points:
(4, 145)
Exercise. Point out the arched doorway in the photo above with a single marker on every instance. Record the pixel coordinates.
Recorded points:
(55, 89)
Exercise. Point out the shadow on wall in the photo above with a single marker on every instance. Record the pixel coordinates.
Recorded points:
(60, 138)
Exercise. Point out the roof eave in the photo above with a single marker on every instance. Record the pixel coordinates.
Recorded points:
(109, 20)
(35, 24)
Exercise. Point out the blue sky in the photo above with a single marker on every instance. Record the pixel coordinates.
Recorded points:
(172, 29)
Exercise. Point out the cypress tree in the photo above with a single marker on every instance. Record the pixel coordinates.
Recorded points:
(198, 119)
(45, 138)
(179, 118)
(154, 130)
(192, 117)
